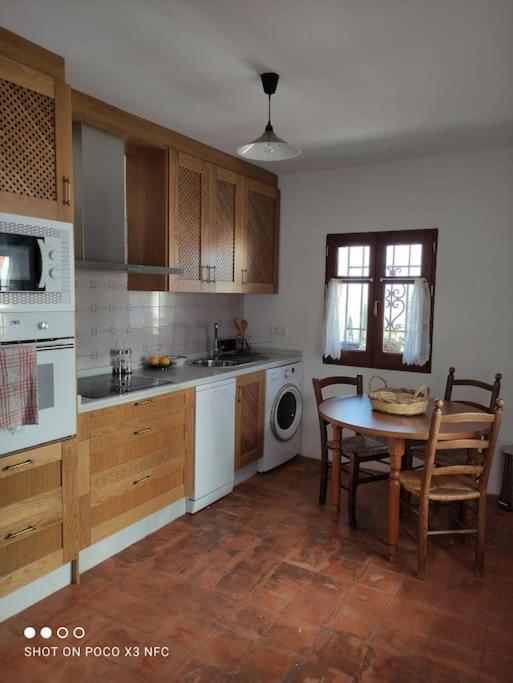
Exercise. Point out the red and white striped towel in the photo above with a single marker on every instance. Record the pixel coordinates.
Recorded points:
(18, 386)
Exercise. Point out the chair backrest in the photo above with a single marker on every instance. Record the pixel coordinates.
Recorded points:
(320, 384)
(494, 390)
(492, 421)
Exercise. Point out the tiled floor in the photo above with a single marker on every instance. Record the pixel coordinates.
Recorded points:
(263, 587)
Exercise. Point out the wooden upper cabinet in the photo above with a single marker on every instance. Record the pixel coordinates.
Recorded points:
(35, 143)
(261, 238)
(249, 418)
(188, 222)
(225, 229)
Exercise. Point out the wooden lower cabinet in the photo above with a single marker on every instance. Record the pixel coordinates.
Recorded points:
(139, 459)
(249, 418)
(38, 525)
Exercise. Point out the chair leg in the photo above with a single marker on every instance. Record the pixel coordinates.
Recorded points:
(423, 537)
(406, 495)
(324, 476)
(354, 469)
(481, 528)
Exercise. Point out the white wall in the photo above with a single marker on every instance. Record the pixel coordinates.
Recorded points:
(469, 198)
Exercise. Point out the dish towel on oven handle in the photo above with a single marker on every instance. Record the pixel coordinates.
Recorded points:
(18, 386)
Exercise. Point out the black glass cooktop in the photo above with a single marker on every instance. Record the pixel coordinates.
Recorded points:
(100, 386)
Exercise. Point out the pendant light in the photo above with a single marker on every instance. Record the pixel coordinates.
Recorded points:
(269, 147)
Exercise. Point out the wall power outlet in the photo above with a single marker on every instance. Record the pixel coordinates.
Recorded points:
(279, 331)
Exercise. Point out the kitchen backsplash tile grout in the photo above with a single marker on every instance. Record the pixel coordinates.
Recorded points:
(151, 323)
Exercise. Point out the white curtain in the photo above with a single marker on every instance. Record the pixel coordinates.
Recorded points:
(418, 321)
(333, 319)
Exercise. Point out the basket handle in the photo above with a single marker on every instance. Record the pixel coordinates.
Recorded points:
(385, 385)
(423, 390)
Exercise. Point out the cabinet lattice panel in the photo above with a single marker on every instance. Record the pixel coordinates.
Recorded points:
(249, 423)
(27, 142)
(225, 231)
(260, 236)
(188, 229)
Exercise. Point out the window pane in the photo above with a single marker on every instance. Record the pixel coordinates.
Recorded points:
(353, 261)
(353, 317)
(403, 260)
(397, 300)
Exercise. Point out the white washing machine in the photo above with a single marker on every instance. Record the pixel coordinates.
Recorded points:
(283, 413)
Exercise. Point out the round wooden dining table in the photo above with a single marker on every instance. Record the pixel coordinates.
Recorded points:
(355, 413)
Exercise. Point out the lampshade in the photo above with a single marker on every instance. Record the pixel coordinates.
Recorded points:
(269, 147)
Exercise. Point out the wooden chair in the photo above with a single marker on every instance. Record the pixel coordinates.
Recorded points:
(355, 450)
(453, 482)
(417, 449)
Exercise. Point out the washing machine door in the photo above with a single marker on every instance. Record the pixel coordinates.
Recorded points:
(286, 412)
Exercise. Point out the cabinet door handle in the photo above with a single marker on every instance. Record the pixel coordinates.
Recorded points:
(21, 532)
(142, 431)
(66, 199)
(244, 281)
(144, 402)
(375, 307)
(203, 279)
(239, 394)
(138, 481)
(10, 468)
(209, 269)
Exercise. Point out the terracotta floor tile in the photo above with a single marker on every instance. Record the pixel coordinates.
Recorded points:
(291, 635)
(500, 644)
(145, 614)
(381, 580)
(399, 639)
(314, 670)
(353, 621)
(342, 652)
(495, 669)
(418, 591)
(368, 600)
(90, 670)
(446, 656)
(265, 664)
(417, 616)
(380, 665)
(315, 604)
(110, 600)
(468, 633)
(9, 675)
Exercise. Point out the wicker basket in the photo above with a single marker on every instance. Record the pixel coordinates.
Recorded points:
(398, 401)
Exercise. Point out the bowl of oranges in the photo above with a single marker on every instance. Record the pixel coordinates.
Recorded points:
(159, 362)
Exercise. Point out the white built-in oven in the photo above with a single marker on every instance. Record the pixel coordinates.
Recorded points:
(52, 333)
(36, 264)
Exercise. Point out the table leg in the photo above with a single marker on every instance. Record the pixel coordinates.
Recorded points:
(396, 449)
(335, 471)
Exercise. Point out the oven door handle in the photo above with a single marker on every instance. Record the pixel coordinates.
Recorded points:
(44, 263)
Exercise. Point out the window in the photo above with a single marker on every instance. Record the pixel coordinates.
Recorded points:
(378, 270)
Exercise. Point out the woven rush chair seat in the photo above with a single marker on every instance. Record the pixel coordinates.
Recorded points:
(448, 487)
(363, 446)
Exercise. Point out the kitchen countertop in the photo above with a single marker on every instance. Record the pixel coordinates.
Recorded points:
(187, 376)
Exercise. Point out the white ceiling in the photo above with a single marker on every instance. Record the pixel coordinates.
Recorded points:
(361, 80)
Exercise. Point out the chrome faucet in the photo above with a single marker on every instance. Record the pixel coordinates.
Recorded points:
(217, 347)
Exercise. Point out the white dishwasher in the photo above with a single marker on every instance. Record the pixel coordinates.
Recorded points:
(214, 444)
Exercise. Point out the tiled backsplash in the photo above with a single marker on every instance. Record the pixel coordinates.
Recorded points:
(149, 322)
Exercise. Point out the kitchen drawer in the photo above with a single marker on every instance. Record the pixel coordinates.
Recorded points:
(12, 465)
(108, 420)
(140, 501)
(139, 428)
(110, 483)
(28, 516)
(172, 440)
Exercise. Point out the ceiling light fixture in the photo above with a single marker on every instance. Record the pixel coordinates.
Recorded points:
(269, 147)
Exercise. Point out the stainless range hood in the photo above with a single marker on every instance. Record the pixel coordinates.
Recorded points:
(100, 215)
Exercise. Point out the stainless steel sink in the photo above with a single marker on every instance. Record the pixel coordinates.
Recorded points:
(213, 363)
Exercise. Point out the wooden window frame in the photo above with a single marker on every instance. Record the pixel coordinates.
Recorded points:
(374, 356)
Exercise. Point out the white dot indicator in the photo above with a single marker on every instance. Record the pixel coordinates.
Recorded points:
(46, 632)
(79, 632)
(29, 632)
